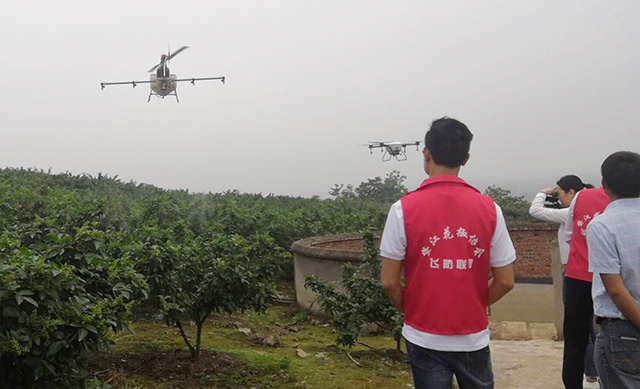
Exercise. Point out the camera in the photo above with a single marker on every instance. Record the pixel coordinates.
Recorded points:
(552, 201)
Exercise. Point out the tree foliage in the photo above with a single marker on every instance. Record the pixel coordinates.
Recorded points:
(78, 251)
(387, 190)
(226, 273)
(61, 289)
(514, 208)
(359, 299)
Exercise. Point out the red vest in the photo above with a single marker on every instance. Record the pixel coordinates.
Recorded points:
(449, 226)
(588, 205)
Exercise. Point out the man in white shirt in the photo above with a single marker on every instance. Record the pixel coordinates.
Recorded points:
(448, 238)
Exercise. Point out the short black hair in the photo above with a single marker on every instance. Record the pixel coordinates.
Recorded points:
(448, 141)
(621, 173)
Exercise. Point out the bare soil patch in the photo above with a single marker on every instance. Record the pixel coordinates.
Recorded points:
(114, 367)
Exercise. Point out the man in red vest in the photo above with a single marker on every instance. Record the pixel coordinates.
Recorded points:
(448, 237)
(578, 305)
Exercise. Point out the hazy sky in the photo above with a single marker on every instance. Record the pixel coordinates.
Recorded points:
(548, 88)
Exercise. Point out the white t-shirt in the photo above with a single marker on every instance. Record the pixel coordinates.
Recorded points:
(393, 245)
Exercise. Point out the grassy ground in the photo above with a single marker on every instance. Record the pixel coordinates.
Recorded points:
(304, 356)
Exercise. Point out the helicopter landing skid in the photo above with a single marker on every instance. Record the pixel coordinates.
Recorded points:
(152, 93)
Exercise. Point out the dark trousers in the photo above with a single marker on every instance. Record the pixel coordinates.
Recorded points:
(578, 323)
(589, 364)
(434, 369)
(618, 355)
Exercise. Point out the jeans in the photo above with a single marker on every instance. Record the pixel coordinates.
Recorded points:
(618, 355)
(577, 327)
(434, 369)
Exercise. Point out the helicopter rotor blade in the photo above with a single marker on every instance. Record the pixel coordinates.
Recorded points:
(177, 52)
(168, 58)
(154, 68)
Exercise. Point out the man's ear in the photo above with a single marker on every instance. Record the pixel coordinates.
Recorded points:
(427, 155)
(608, 191)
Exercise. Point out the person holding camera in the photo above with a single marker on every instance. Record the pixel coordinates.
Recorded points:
(552, 205)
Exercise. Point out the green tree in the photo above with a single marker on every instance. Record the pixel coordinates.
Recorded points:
(514, 208)
(363, 300)
(387, 190)
(227, 273)
(62, 292)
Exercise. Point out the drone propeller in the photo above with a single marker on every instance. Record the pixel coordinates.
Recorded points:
(168, 58)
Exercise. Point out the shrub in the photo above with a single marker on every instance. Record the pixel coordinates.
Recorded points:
(363, 300)
(226, 273)
(62, 290)
(50, 322)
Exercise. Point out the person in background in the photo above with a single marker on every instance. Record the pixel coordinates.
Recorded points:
(448, 237)
(566, 189)
(578, 305)
(613, 239)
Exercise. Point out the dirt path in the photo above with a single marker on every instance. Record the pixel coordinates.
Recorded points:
(527, 364)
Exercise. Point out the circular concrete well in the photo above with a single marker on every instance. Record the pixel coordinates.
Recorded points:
(324, 257)
(533, 300)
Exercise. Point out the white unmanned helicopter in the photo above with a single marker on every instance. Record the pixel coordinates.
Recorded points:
(393, 149)
(163, 83)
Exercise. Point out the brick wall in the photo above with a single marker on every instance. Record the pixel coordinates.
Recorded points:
(532, 243)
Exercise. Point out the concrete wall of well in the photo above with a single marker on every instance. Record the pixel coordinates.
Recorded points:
(535, 299)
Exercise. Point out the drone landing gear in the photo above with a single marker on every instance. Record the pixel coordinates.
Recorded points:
(399, 157)
(152, 93)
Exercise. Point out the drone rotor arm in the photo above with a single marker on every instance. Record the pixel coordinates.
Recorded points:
(134, 83)
(193, 80)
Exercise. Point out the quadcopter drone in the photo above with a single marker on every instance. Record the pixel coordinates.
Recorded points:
(163, 83)
(393, 149)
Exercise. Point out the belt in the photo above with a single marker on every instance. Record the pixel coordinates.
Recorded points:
(608, 320)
